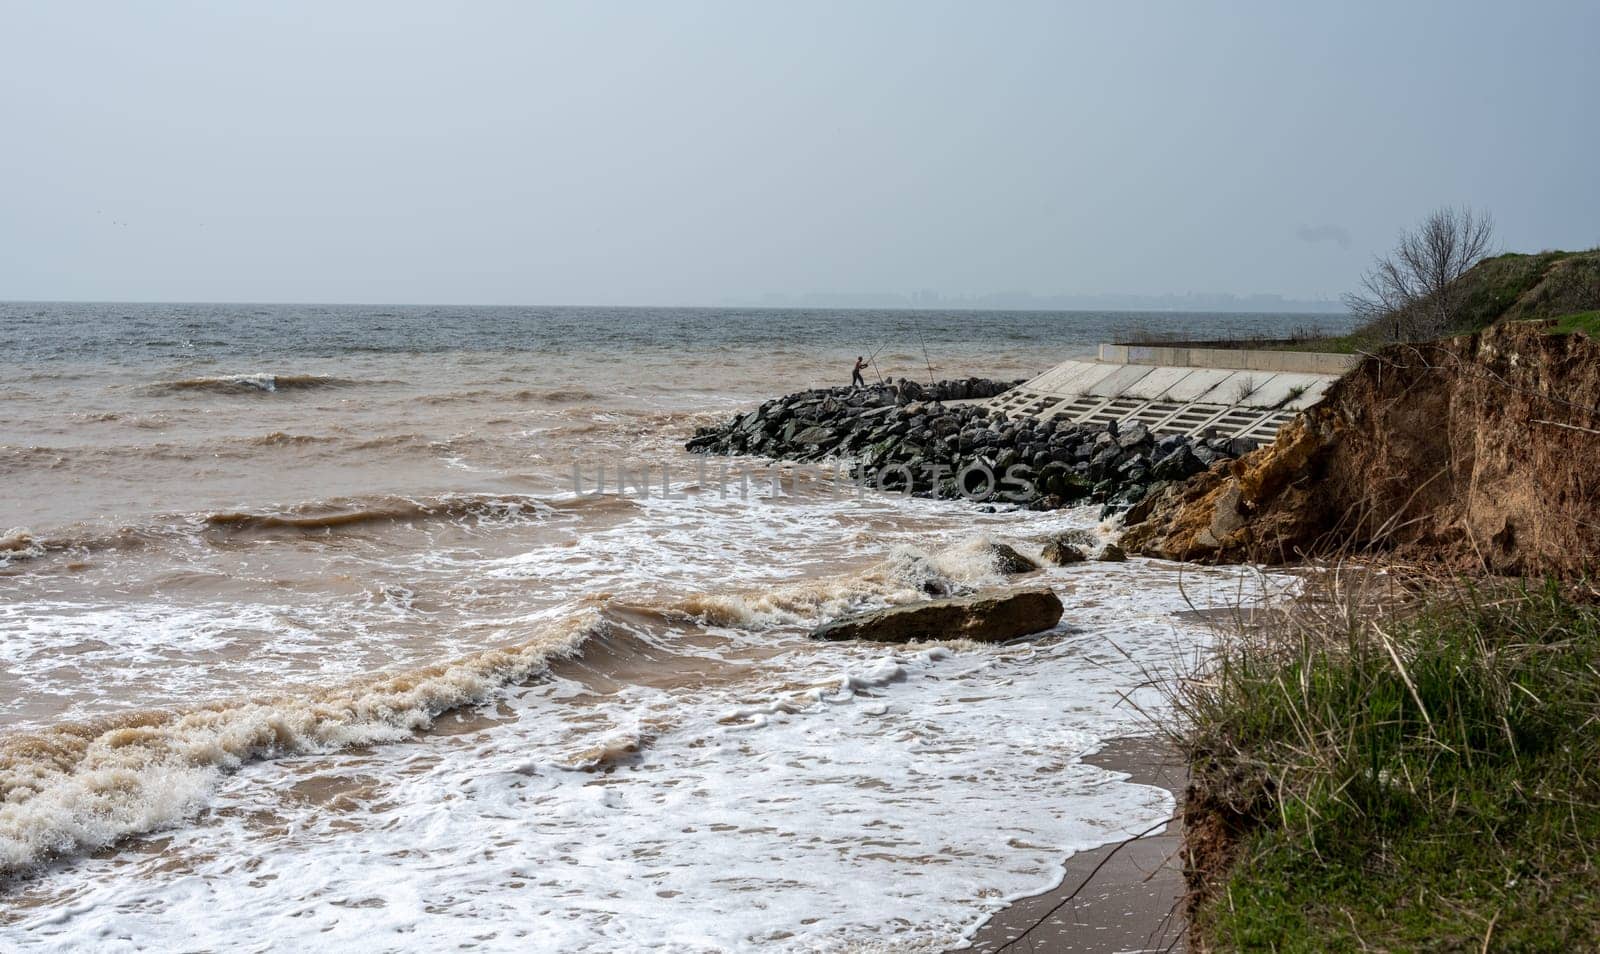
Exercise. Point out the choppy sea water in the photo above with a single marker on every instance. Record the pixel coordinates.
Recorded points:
(303, 622)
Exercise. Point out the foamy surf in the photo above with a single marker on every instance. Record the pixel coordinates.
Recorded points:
(909, 573)
(76, 787)
(837, 798)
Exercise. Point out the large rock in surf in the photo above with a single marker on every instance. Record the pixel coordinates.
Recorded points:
(1062, 553)
(1008, 561)
(986, 618)
(1112, 553)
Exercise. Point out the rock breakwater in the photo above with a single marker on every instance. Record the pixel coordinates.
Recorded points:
(910, 438)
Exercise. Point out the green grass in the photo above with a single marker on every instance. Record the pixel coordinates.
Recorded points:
(1587, 322)
(1509, 287)
(1335, 344)
(1419, 799)
(1495, 285)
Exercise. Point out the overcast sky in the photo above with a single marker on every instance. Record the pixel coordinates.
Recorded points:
(692, 153)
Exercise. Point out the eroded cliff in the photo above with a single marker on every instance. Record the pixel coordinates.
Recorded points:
(1481, 452)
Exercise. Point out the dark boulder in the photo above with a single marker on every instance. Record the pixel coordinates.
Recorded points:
(1062, 553)
(1133, 436)
(815, 434)
(1177, 465)
(1111, 553)
(989, 618)
(1008, 561)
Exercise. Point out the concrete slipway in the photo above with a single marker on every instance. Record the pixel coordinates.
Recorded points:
(1180, 390)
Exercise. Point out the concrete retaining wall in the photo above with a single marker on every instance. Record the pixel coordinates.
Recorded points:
(1182, 357)
(1248, 394)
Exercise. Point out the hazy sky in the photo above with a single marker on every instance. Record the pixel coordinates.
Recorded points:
(684, 153)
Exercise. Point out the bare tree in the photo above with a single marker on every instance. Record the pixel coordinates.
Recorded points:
(1412, 293)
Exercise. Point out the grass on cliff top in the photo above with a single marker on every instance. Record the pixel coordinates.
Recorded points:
(1416, 782)
(1353, 343)
(1497, 287)
(1304, 338)
(1508, 287)
(1587, 322)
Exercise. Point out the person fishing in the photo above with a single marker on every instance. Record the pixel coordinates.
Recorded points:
(856, 380)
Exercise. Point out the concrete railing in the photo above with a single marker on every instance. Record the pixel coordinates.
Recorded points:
(1307, 362)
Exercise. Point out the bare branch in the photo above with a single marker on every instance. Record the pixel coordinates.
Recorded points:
(1413, 292)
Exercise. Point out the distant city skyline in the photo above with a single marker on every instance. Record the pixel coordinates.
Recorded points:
(1028, 301)
(850, 301)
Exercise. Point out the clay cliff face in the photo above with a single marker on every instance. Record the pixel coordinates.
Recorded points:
(1480, 452)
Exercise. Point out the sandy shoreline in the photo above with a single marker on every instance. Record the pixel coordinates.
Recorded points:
(1129, 904)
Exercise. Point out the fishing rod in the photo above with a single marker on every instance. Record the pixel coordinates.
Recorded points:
(925, 357)
(874, 361)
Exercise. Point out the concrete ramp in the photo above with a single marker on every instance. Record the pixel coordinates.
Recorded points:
(1174, 390)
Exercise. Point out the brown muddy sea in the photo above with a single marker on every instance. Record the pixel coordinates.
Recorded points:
(307, 637)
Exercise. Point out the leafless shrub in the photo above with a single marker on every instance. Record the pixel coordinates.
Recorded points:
(1412, 293)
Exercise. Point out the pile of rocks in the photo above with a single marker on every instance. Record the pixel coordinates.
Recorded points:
(899, 439)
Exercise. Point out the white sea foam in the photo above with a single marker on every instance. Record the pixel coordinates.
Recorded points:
(74, 786)
(839, 795)
(822, 796)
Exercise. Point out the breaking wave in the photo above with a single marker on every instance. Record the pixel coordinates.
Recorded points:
(907, 574)
(476, 509)
(283, 439)
(19, 544)
(338, 514)
(252, 383)
(76, 787)
(556, 395)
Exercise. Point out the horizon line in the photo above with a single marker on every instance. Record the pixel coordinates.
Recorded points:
(717, 307)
